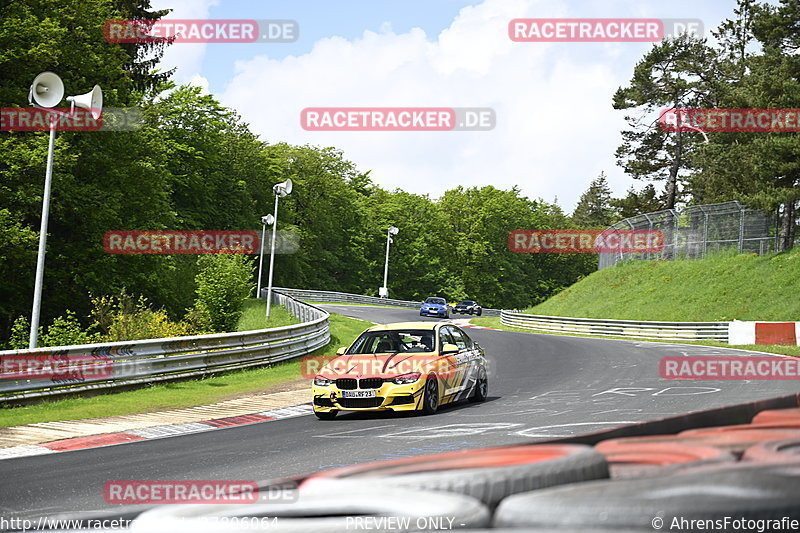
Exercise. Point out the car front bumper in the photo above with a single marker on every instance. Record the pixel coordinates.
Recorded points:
(388, 397)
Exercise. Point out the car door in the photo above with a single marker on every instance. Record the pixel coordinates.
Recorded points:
(455, 362)
(464, 362)
(448, 369)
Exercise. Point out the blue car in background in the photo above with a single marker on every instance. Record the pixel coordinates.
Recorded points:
(434, 306)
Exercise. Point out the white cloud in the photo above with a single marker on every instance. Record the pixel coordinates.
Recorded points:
(555, 130)
(187, 58)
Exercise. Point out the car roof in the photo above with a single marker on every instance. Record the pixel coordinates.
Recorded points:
(407, 325)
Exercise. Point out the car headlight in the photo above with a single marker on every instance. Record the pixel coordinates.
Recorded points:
(405, 379)
(322, 381)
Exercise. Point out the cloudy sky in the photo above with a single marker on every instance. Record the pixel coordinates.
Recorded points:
(556, 129)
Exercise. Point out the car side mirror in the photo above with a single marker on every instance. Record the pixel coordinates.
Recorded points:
(449, 348)
(341, 350)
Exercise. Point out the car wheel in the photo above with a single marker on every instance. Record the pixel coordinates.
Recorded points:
(430, 399)
(480, 391)
(326, 415)
(480, 311)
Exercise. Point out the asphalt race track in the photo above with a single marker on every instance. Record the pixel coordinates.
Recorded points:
(540, 386)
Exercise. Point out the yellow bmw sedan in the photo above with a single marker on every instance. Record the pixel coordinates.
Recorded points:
(408, 366)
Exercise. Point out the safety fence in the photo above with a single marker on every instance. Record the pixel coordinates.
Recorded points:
(71, 369)
(618, 328)
(348, 298)
(700, 229)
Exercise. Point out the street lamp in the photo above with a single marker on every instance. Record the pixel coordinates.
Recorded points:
(266, 220)
(384, 291)
(46, 91)
(280, 190)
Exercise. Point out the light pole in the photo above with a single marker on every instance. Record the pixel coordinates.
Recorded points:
(46, 91)
(280, 190)
(384, 291)
(266, 220)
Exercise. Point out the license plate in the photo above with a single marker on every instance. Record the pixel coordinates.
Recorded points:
(358, 393)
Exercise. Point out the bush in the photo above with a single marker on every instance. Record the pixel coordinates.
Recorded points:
(64, 331)
(20, 334)
(223, 284)
(127, 318)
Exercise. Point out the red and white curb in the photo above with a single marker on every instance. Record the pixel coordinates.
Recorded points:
(153, 432)
(743, 332)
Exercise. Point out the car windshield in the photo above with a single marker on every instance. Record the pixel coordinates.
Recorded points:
(466, 302)
(432, 300)
(394, 341)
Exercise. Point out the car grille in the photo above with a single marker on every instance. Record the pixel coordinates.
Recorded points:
(371, 383)
(347, 383)
(360, 403)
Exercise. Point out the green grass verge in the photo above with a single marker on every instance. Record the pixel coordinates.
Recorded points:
(185, 393)
(254, 316)
(721, 287)
(494, 322)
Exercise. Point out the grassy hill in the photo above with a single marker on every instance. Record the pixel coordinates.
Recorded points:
(724, 286)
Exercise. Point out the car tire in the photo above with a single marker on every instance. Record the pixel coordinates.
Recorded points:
(754, 493)
(431, 396)
(480, 312)
(488, 474)
(329, 510)
(326, 415)
(480, 391)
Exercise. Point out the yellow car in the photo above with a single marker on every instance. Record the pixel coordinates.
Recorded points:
(408, 366)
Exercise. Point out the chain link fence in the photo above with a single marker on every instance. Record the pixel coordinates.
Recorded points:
(695, 231)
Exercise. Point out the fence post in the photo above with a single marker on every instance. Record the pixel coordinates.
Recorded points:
(676, 217)
(741, 230)
(705, 232)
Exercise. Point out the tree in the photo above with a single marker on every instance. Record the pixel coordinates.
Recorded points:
(637, 202)
(595, 209)
(67, 37)
(676, 73)
(766, 173)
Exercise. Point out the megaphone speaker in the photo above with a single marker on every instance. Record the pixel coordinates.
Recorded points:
(93, 101)
(47, 90)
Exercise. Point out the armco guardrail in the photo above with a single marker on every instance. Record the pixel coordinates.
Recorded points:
(117, 364)
(619, 328)
(345, 297)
